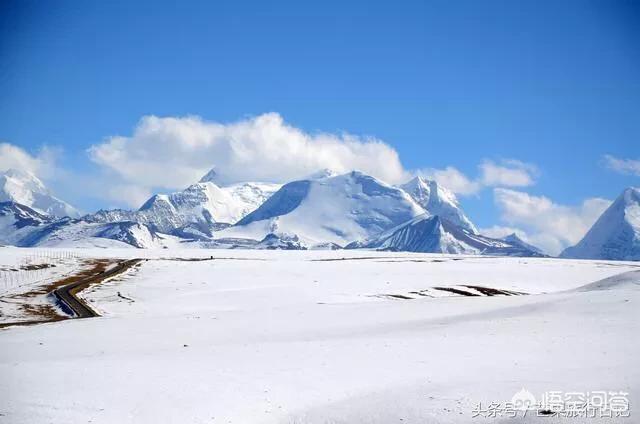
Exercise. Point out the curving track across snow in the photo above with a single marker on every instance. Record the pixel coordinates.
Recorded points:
(66, 295)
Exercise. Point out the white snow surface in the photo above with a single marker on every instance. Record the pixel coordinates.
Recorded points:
(314, 337)
(25, 188)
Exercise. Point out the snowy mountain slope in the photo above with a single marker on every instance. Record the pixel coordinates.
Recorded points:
(202, 206)
(334, 209)
(69, 232)
(616, 234)
(433, 234)
(250, 195)
(322, 173)
(26, 189)
(202, 203)
(18, 221)
(26, 227)
(437, 200)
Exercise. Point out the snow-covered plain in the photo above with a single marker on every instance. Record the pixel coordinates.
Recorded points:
(324, 337)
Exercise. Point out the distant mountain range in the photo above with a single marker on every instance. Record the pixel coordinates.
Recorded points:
(434, 234)
(323, 211)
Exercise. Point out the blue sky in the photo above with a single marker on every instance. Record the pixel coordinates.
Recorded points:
(554, 84)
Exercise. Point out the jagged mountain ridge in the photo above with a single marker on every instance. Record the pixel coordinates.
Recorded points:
(18, 221)
(434, 234)
(324, 211)
(25, 227)
(201, 208)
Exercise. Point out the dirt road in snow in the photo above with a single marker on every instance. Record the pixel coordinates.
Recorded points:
(67, 294)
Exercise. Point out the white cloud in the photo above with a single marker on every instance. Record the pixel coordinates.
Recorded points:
(131, 195)
(549, 225)
(506, 173)
(623, 166)
(452, 179)
(499, 231)
(509, 173)
(172, 153)
(42, 164)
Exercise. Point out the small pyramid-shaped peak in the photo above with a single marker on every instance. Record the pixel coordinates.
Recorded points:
(616, 233)
(209, 177)
(418, 181)
(429, 189)
(512, 236)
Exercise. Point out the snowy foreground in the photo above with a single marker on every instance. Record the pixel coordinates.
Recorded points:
(323, 337)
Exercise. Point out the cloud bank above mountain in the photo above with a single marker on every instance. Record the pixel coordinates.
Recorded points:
(261, 148)
(166, 153)
(542, 222)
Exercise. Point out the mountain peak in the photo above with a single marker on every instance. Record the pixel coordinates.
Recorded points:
(630, 195)
(322, 173)
(209, 177)
(23, 178)
(23, 187)
(336, 209)
(616, 233)
(437, 200)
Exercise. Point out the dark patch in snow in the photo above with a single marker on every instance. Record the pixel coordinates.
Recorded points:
(488, 291)
(456, 291)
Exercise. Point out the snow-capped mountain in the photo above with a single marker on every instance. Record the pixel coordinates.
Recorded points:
(25, 227)
(18, 221)
(199, 209)
(437, 200)
(517, 241)
(26, 189)
(201, 203)
(246, 196)
(322, 173)
(249, 196)
(333, 209)
(616, 234)
(323, 211)
(434, 234)
(69, 232)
